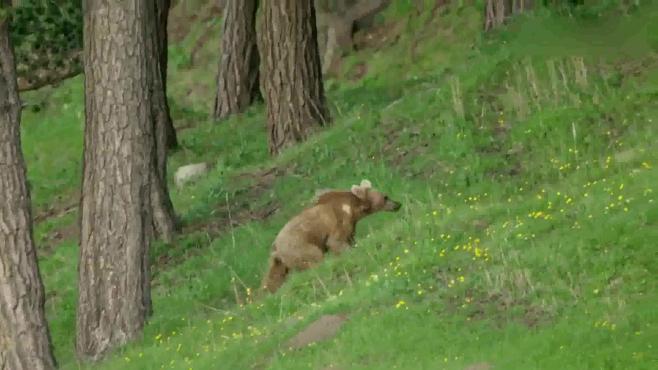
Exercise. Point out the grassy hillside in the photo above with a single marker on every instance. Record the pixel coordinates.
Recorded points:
(526, 164)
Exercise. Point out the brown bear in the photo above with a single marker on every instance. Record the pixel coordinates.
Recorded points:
(327, 225)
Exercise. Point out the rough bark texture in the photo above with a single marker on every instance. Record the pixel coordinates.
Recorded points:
(24, 335)
(117, 210)
(336, 23)
(237, 77)
(291, 78)
(496, 12)
(162, 9)
(165, 134)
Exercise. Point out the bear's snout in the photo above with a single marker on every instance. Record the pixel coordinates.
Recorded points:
(393, 206)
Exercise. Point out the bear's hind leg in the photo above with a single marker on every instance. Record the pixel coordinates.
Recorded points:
(307, 256)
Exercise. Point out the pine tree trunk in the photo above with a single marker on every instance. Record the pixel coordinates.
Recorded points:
(118, 213)
(237, 77)
(496, 12)
(24, 336)
(162, 9)
(165, 134)
(290, 72)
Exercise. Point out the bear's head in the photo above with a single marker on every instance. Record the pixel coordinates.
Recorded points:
(374, 200)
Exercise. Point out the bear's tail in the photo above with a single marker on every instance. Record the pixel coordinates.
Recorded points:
(276, 274)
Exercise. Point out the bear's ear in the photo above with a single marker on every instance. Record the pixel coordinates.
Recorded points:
(360, 192)
(366, 184)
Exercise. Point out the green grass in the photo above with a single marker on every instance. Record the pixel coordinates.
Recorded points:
(52, 131)
(526, 164)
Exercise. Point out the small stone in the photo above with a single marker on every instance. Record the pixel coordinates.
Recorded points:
(323, 328)
(187, 173)
(479, 366)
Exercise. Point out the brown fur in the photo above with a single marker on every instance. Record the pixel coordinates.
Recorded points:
(327, 225)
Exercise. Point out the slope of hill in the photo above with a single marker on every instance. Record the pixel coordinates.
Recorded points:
(525, 160)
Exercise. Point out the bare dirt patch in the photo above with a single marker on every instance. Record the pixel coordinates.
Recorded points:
(501, 309)
(64, 232)
(70, 231)
(510, 303)
(332, 367)
(479, 366)
(326, 327)
(57, 210)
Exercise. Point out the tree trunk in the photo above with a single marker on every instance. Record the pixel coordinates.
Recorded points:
(24, 335)
(496, 12)
(336, 23)
(290, 72)
(121, 183)
(237, 77)
(165, 134)
(162, 9)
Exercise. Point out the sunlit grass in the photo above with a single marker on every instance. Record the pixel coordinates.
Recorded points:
(526, 238)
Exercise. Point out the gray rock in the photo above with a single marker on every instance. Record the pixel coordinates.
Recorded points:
(188, 173)
(324, 328)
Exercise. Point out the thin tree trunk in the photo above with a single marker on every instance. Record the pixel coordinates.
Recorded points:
(497, 12)
(162, 9)
(237, 77)
(120, 168)
(24, 335)
(290, 73)
(165, 134)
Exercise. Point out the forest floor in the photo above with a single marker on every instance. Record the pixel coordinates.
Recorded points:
(525, 161)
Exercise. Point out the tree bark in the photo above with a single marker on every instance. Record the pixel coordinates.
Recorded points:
(162, 9)
(290, 72)
(237, 77)
(496, 12)
(122, 191)
(24, 335)
(336, 23)
(165, 134)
